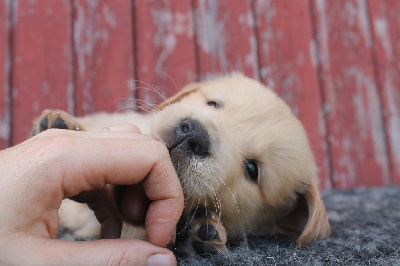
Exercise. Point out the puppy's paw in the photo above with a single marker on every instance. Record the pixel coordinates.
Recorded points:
(54, 119)
(208, 235)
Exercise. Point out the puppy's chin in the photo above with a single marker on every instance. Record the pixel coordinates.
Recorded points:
(195, 174)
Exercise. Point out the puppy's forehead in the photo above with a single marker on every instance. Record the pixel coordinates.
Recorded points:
(251, 110)
(237, 90)
(245, 99)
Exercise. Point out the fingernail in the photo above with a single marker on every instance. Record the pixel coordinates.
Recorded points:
(160, 260)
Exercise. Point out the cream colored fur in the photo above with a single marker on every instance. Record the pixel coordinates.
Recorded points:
(252, 123)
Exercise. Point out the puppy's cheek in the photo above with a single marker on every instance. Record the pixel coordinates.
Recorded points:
(134, 204)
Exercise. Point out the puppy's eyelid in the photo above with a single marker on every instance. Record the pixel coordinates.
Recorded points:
(215, 104)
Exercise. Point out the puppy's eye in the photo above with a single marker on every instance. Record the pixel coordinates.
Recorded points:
(214, 104)
(252, 170)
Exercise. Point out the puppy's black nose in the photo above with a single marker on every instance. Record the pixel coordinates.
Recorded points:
(192, 137)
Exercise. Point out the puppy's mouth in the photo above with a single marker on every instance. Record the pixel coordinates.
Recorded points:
(188, 142)
(190, 146)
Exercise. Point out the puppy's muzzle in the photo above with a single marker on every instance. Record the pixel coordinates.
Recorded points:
(190, 137)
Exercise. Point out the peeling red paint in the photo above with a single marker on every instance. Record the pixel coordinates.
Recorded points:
(41, 66)
(103, 46)
(340, 75)
(385, 22)
(354, 119)
(288, 66)
(166, 56)
(225, 38)
(4, 75)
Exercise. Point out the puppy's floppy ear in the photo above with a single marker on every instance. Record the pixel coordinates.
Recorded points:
(188, 89)
(317, 226)
(308, 218)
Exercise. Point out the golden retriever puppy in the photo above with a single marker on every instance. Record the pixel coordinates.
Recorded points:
(242, 157)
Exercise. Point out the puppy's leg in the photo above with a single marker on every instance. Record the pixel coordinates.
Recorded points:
(206, 235)
(79, 218)
(55, 119)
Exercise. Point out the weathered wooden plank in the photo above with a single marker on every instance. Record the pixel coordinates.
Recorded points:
(288, 65)
(41, 63)
(4, 75)
(103, 43)
(385, 22)
(226, 38)
(354, 116)
(166, 59)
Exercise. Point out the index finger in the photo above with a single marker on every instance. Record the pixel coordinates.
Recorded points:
(98, 162)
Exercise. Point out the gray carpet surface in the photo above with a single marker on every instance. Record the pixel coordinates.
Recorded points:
(365, 231)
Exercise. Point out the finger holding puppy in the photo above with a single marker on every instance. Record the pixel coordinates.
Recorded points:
(37, 174)
(110, 202)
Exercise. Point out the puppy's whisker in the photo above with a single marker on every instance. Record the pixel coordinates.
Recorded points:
(188, 222)
(177, 88)
(216, 200)
(191, 207)
(125, 99)
(124, 108)
(153, 88)
(144, 105)
(139, 105)
(191, 194)
(217, 203)
(147, 85)
(186, 200)
(143, 108)
(143, 102)
(141, 88)
(134, 109)
(230, 191)
(158, 92)
(220, 206)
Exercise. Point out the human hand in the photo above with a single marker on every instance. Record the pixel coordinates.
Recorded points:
(36, 175)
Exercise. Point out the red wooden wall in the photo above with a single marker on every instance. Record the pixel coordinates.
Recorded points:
(335, 62)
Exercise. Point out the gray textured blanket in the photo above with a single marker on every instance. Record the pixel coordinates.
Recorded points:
(365, 231)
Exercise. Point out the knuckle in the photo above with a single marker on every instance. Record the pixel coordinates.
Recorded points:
(130, 128)
(50, 133)
(133, 127)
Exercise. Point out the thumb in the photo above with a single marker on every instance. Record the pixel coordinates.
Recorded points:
(100, 252)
